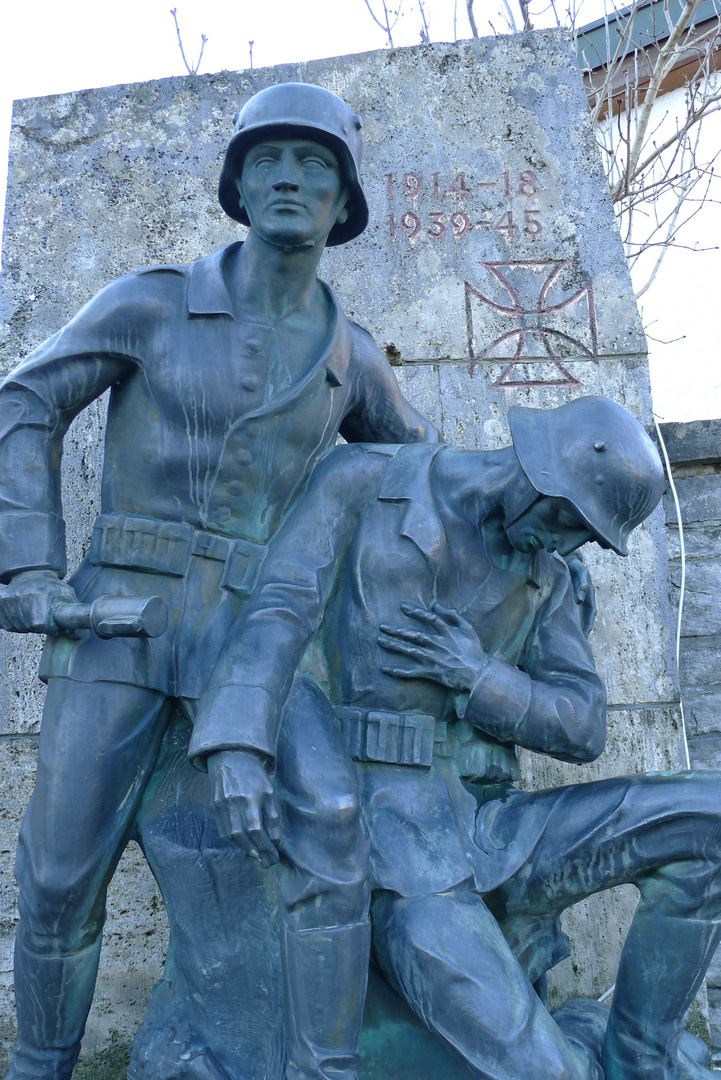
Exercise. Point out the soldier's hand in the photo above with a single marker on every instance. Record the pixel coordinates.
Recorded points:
(28, 602)
(584, 592)
(444, 648)
(241, 793)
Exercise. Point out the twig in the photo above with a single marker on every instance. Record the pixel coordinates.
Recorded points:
(386, 27)
(250, 50)
(425, 33)
(192, 70)
(471, 17)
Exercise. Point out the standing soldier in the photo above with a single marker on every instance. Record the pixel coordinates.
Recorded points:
(229, 378)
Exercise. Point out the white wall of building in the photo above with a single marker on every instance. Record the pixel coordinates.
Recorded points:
(681, 310)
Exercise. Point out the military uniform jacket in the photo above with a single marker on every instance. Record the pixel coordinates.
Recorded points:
(369, 533)
(196, 435)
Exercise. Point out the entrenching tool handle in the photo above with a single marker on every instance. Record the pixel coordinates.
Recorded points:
(116, 616)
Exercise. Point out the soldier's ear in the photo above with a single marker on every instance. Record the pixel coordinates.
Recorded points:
(342, 216)
(240, 193)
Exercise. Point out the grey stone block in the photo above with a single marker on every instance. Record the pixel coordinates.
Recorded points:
(700, 663)
(700, 541)
(702, 711)
(705, 750)
(699, 497)
(693, 443)
(702, 611)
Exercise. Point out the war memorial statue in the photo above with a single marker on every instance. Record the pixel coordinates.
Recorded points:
(452, 636)
(435, 586)
(229, 378)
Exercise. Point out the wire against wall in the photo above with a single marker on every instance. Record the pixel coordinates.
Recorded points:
(607, 993)
(682, 592)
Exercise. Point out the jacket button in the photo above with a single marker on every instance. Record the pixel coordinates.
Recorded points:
(253, 430)
(253, 347)
(224, 514)
(250, 382)
(243, 457)
(236, 488)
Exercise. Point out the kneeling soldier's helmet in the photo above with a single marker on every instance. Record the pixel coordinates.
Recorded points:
(293, 110)
(592, 453)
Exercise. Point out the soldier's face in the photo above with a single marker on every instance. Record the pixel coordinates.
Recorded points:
(549, 523)
(292, 191)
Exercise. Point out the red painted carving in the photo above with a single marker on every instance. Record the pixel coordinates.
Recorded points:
(542, 316)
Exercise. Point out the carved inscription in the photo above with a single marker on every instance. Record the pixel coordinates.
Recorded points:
(534, 315)
(440, 206)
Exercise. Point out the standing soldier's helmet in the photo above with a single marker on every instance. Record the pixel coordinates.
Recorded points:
(592, 453)
(292, 110)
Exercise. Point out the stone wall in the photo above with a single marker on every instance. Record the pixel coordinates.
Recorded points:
(492, 274)
(694, 451)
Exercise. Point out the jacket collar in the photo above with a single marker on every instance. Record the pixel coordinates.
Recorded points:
(208, 294)
(407, 477)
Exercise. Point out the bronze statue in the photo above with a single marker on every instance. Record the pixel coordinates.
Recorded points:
(229, 378)
(432, 578)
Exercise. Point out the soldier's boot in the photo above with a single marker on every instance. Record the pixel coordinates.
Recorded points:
(325, 975)
(663, 964)
(53, 995)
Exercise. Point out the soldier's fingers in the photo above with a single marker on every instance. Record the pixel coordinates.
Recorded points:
(403, 673)
(265, 850)
(449, 615)
(417, 637)
(404, 647)
(231, 823)
(421, 614)
(272, 821)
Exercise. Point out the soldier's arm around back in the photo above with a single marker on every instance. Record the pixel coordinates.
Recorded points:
(379, 412)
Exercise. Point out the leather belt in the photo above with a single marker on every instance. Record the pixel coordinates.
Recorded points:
(391, 737)
(166, 547)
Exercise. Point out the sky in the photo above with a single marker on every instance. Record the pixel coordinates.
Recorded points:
(55, 46)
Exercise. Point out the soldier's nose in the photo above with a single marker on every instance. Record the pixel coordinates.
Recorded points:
(285, 183)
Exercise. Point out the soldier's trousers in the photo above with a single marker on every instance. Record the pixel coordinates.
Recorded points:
(462, 959)
(98, 745)
(447, 956)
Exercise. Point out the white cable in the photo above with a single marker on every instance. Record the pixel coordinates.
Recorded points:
(682, 593)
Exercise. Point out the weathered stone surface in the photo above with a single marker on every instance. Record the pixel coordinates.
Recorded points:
(699, 497)
(702, 612)
(695, 443)
(702, 712)
(700, 662)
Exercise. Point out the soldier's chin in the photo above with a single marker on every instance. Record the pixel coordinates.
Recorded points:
(289, 238)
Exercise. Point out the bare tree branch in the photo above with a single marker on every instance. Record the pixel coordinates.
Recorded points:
(386, 26)
(661, 68)
(192, 69)
(471, 18)
(525, 6)
(425, 34)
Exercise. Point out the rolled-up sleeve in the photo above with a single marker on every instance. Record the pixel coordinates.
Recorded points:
(378, 411)
(38, 402)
